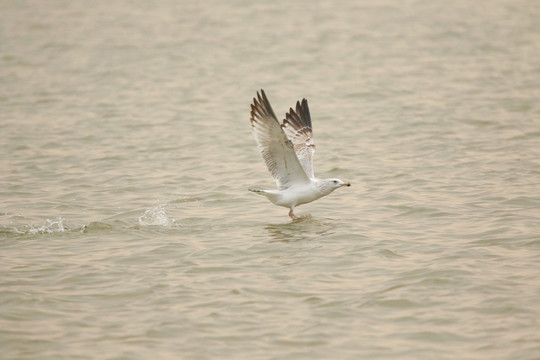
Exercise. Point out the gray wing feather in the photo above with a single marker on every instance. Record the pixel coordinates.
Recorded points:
(297, 127)
(277, 150)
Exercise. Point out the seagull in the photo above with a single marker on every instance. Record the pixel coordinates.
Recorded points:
(287, 150)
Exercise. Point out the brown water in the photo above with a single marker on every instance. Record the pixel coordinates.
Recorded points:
(126, 227)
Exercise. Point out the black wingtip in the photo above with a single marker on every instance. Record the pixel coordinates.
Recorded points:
(300, 116)
(261, 106)
(261, 94)
(264, 97)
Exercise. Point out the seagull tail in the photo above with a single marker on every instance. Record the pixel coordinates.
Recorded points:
(257, 191)
(271, 195)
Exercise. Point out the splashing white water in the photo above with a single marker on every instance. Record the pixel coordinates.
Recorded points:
(51, 226)
(156, 216)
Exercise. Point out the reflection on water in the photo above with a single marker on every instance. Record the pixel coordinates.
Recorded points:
(304, 228)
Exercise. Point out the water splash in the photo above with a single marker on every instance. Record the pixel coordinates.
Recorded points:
(51, 226)
(156, 216)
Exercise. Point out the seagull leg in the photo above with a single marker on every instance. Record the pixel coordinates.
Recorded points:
(291, 214)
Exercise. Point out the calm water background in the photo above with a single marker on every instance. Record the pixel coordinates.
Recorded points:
(126, 231)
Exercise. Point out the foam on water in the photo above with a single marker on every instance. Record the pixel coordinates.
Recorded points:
(156, 216)
(50, 226)
(15, 226)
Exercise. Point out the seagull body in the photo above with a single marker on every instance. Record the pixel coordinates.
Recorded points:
(287, 149)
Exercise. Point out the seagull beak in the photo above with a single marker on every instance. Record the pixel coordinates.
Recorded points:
(346, 184)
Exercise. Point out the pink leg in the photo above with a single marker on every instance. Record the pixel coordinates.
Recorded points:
(291, 214)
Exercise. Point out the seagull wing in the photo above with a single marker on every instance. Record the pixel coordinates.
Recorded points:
(276, 149)
(297, 127)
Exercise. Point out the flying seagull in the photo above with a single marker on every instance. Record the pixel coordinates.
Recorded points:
(287, 150)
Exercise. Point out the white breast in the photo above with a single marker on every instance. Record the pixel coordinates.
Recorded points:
(299, 194)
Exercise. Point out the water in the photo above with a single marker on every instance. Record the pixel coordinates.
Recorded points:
(126, 227)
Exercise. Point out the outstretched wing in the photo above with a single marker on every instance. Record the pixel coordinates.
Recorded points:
(276, 149)
(297, 127)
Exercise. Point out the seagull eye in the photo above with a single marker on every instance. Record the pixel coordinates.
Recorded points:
(335, 182)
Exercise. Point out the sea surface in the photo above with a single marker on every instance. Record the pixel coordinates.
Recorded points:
(126, 227)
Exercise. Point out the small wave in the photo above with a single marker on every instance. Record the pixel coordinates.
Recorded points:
(156, 216)
(105, 226)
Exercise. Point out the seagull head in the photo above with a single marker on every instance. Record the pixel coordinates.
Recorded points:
(329, 185)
